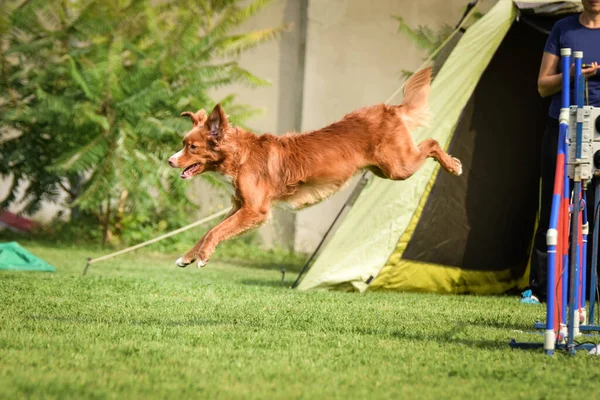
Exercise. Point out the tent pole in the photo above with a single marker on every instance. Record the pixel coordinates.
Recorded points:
(366, 176)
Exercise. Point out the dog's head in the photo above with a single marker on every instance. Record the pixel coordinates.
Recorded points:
(200, 145)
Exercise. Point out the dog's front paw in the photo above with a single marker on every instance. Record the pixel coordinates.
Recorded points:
(202, 264)
(180, 262)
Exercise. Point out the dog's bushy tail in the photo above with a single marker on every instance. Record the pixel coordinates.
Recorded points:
(415, 107)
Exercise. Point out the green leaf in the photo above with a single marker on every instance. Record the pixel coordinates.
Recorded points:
(234, 45)
(79, 79)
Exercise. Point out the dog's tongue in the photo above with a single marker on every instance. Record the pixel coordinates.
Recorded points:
(187, 173)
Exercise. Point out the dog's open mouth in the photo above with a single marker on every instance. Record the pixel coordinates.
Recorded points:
(190, 171)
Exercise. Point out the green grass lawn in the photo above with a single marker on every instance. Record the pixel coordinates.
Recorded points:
(138, 327)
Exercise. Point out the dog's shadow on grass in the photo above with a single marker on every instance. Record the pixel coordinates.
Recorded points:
(268, 283)
(454, 336)
(449, 338)
(501, 325)
(292, 268)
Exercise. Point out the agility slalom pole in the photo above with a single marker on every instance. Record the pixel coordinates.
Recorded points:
(552, 234)
(581, 317)
(573, 268)
(594, 271)
(567, 248)
(561, 274)
(576, 218)
(146, 243)
(563, 285)
(579, 267)
(579, 291)
(562, 257)
(584, 246)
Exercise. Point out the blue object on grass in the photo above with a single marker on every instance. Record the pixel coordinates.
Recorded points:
(527, 297)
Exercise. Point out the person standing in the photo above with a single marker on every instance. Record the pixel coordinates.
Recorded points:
(580, 32)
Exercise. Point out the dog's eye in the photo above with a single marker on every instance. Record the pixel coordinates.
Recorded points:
(193, 146)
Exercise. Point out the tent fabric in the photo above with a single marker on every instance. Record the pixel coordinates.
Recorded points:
(13, 257)
(367, 237)
(369, 250)
(493, 217)
(545, 7)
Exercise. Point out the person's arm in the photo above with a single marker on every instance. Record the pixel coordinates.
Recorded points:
(550, 80)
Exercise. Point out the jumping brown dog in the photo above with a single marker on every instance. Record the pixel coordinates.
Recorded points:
(303, 169)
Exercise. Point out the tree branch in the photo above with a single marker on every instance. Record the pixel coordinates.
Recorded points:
(73, 195)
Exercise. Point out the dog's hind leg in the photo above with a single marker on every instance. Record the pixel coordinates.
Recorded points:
(404, 167)
(432, 148)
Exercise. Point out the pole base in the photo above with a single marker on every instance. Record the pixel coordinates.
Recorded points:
(538, 346)
(549, 341)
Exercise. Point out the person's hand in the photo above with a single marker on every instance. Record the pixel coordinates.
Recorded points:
(591, 70)
(588, 72)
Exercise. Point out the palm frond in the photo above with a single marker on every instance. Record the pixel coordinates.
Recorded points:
(48, 19)
(415, 35)
(13, 189)
(77, 78)
(114, 69)
(243, 76)
(234, 16)
(405, 74)
(99, 186)
(84, 158)
(234, 45)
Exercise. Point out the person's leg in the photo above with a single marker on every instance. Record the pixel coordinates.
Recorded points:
(539, 258)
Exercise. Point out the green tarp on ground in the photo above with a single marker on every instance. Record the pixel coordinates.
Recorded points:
(13, 257)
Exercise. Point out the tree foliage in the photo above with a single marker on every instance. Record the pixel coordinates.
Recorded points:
(91, 91)
(428, 39)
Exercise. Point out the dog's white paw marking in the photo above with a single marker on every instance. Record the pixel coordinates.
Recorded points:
(180, 263)
(459, 169)
(201, 264)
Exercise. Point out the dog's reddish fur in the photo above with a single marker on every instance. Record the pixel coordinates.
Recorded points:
(303, 169)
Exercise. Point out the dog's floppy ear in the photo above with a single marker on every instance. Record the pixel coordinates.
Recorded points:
(198, 118)
(217, 122)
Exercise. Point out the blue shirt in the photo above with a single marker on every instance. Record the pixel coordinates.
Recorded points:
(568, 32)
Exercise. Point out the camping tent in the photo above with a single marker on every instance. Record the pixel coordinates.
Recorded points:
(469, 234)
(15, 258)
